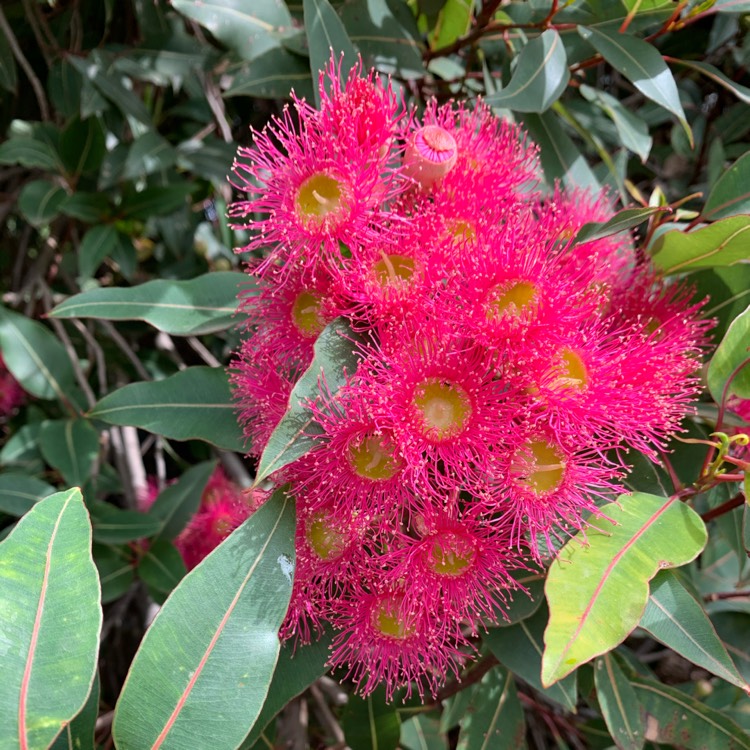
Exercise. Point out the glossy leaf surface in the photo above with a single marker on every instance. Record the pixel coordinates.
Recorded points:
(720, 244)
(204, 667)
(193, 404)
(641, 63)
(676, 619)
(540, 77)
(496, 721)
(333, 359)
(202, 305)
(592, 613)
(732, 352)
(619, 704)
(49, 597)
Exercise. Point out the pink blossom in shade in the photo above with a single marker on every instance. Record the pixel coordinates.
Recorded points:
(221, 511)
(361, 109)
(11, 393)
(438, 396)
(457, 562)
(386, 638)
(548, 483)
(261, 386)
(147, 495)
(310, 191)
(494, 160)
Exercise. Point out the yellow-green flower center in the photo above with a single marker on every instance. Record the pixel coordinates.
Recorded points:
(540, 465)
(511, 299)
(451, 554)
(391, 270)
(374, 458)
(317, 197)
(571, 371)
(325, 538)
(443, 407)
(387, 619)
(306, 315)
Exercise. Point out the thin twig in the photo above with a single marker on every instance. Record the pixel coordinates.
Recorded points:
(725, 507)
(198, 347)
(125, 348)
(25, 66)
(720, 595)
(69, 348)
(325, 715)
(33, 18)
(97, 351)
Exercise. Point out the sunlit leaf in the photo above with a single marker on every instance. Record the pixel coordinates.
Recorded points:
(207, 688)
(726, 369)
(540, 77)
(49, 599)
(205, 304)
(591, 614)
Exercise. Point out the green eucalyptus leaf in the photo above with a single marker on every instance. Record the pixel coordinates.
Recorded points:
(35, 357)
(632, 129)
(297, 668)
(49, 597)
(591, 614)
(248, 29)
(79, 734)
(619, 704)
(97, 244)
(19, 493)
(496, 721)
(29, 151)
(114, 525)
(148, 154)
(370, 723)
(730, 195)
(728, 290)
(539, 79)
(272, 76)
(675, 718)
(386, 34)
(209, 691)
(453, 21)
(71, 446)
(86, 207)
(561, 159)
(21, 451)
(641, 63)
(178, 503)
(627, 218)
(82, 146)
(161, 568)
(422, 732)
(116, 571)
(193, 404)
(675, 618)
(520, 648)
(334, 359)
(205, 304)
(326, 36)
(726, 371)
(40, 201)
(714, 74)
(723, 243)
(155, 201)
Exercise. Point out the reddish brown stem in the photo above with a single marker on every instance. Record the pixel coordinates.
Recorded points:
(725, 507)
(719, 595)
(474, 676)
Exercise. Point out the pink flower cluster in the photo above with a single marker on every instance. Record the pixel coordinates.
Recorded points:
(222, 509)
(504, 370)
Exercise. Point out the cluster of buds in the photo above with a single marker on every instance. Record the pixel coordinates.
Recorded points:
(504, 370)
